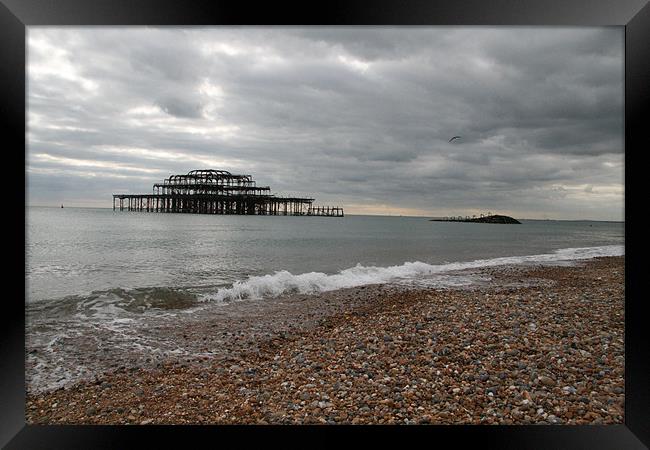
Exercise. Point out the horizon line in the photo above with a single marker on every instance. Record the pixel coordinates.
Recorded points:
(369, 215)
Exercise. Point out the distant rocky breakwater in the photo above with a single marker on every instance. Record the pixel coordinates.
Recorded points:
(495, 218)
(537, 344)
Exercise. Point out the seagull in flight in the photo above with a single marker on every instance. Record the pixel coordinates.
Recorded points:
(455, 137)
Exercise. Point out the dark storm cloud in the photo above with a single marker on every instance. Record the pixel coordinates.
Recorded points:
(358, 117)
(180, 108)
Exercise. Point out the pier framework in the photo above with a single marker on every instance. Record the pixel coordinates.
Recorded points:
(219, 192)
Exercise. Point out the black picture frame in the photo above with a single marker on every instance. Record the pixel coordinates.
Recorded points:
(16, 15)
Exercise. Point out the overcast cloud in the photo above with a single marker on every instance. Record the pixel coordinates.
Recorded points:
(355, 117)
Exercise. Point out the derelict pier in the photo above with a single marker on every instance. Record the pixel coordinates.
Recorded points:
(218, 192)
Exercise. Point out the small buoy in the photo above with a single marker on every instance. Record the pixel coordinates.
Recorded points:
(61, 205)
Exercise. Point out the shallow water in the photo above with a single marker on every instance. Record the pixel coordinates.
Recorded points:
(75, 251)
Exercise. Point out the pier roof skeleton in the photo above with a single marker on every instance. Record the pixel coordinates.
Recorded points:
(208, 191)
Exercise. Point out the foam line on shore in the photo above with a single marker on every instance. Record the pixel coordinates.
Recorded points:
(281, 282)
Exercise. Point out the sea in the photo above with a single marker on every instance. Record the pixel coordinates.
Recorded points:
(90, 269)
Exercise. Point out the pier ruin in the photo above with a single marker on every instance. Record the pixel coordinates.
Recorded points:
(209, 191)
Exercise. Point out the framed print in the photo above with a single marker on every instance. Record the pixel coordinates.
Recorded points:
(267, 219)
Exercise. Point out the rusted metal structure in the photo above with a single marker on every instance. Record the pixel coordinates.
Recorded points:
(210, 191)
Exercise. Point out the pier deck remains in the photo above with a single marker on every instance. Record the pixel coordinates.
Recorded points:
(211, 191)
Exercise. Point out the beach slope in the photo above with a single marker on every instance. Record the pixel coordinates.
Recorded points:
(535, 344)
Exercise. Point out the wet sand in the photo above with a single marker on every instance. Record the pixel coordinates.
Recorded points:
(534, 344)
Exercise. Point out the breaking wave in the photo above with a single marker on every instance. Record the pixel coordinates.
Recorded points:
(282, 282)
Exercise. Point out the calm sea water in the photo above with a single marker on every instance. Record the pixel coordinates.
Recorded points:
(102, 284)
(75, 251)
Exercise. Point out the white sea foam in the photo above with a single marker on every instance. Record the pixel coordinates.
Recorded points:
(283, 281)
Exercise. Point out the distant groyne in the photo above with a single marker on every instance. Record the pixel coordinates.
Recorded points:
(494, 218)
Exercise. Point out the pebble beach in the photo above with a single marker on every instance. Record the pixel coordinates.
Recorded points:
(535, 344)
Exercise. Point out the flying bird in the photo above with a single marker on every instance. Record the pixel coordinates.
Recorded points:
(455, 137)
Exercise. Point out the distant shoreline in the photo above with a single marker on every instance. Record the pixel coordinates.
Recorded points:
(351, 215)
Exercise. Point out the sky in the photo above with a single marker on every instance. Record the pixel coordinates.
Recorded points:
(357, 117)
